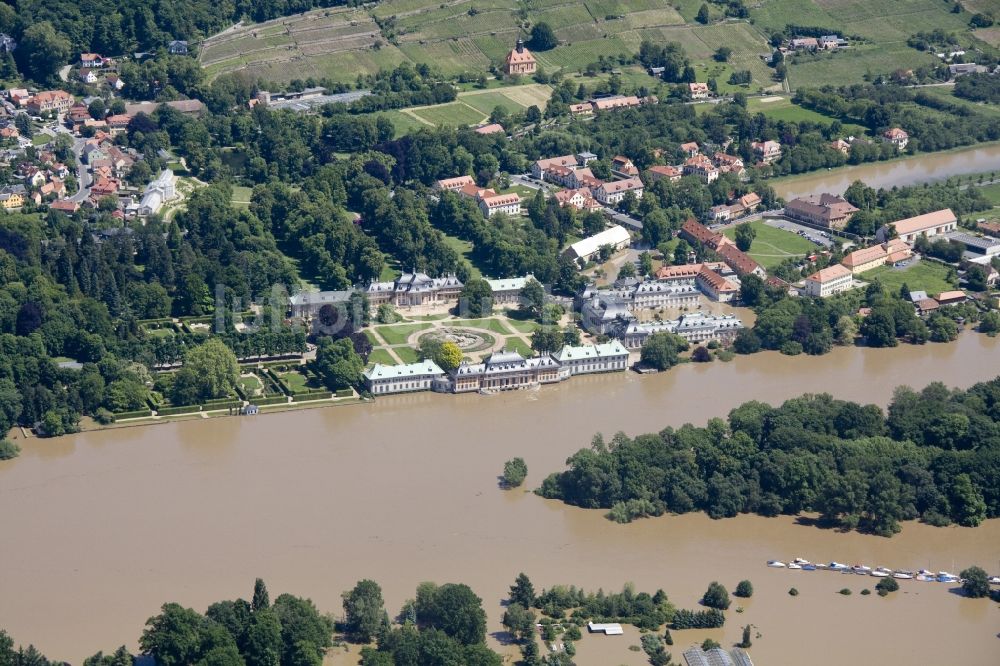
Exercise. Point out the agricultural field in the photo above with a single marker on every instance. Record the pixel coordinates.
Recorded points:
(471, 35)
(474, 106)
(772, 246)
(928, 276)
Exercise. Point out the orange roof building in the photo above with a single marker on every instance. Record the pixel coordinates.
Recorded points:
(520, 61)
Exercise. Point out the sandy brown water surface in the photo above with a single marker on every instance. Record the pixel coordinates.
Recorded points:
(101, 528)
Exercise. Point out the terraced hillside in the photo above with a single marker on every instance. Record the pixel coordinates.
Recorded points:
(469, 35)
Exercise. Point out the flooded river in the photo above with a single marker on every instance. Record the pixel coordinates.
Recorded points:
(101, 528)
(922, 168)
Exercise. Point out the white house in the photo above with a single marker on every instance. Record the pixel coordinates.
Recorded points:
(829, 281)
(586, 359)
(384, 379)
(158, 192)
(614, 191)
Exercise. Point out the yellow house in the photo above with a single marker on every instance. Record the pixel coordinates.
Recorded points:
(865, 259)
(11, 200)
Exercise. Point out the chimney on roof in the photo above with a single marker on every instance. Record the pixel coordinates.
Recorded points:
(520, 45)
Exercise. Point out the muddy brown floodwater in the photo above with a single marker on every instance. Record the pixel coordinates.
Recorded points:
(101, 528)
(921, 168)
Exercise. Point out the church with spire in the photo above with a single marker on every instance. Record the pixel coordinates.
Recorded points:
(520, 61)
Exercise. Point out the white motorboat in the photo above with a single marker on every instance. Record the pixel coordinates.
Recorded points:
(794, 565)
(800, 560)
(880, 572)
(776, 564)
(903, 574)
(861, 569)
(837, 566)
(926, 578)
(994, 580)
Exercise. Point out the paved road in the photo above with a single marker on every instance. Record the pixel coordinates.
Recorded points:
(83, 175)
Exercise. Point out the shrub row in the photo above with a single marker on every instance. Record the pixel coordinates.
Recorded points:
(312, 395)
(271, 400)
(222, 403)
(135, 414)
(182, 409)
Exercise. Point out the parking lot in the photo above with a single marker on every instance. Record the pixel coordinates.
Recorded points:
(814, 235)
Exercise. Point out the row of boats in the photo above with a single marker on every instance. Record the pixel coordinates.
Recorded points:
(878, 572)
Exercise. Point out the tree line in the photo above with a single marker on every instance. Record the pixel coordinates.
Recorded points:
(932, 455)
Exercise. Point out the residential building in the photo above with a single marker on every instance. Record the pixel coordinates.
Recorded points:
(865, 259)
(582, 109)
(581, 199)
(695, 232)
(610, 193)
(91, 60)
(623, 166)
(824, 210)
(415, 289)
(766, 151)
(177, 47)
(930, 225)
(727, 163)
(12, 196)
(695, 327)
(50, 101)
(88, 75)
(455, 184)
(831, 42)
(615, 102)
(690, 149)
(616, 237)
(307, 304)
(385, 379)
(897, 251)
(739, 261)
(541, 167)
(841, 146)
(502, 371)
(491, 203)
(672, 174)
(588, 359)
(583, 177)
(698, 90)
(897, 137)
(65, 206)
(519, 61)
(585, 158)
(702, 167)
(951, 297)
(720, 213)
(966, 68)
(492, 128)
(507, 291)
(829, 281)
(715, 286)
(804, 44)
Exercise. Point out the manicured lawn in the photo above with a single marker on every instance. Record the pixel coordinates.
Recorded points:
(297, 381)
(494, 325)
(371, 337)
(464, 248)
(41, 139)
(160, 332)
(380, 356)
(924, 275)
(523, 325)
(250, 384)
(408, 354)
(398, 333)
(772, 246)
(520, 346)
(455, 114)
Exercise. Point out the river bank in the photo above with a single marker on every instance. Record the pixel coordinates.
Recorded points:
(902, 171)
(405, 489)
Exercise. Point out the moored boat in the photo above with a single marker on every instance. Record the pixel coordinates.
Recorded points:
(837, 566)
(800, 560)
(903, 574)
(880, 572)
(861, 569)
(794, 565)
(809, 567)
(776, 564)
(926, 578)
(946, 577)
(994, 580)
